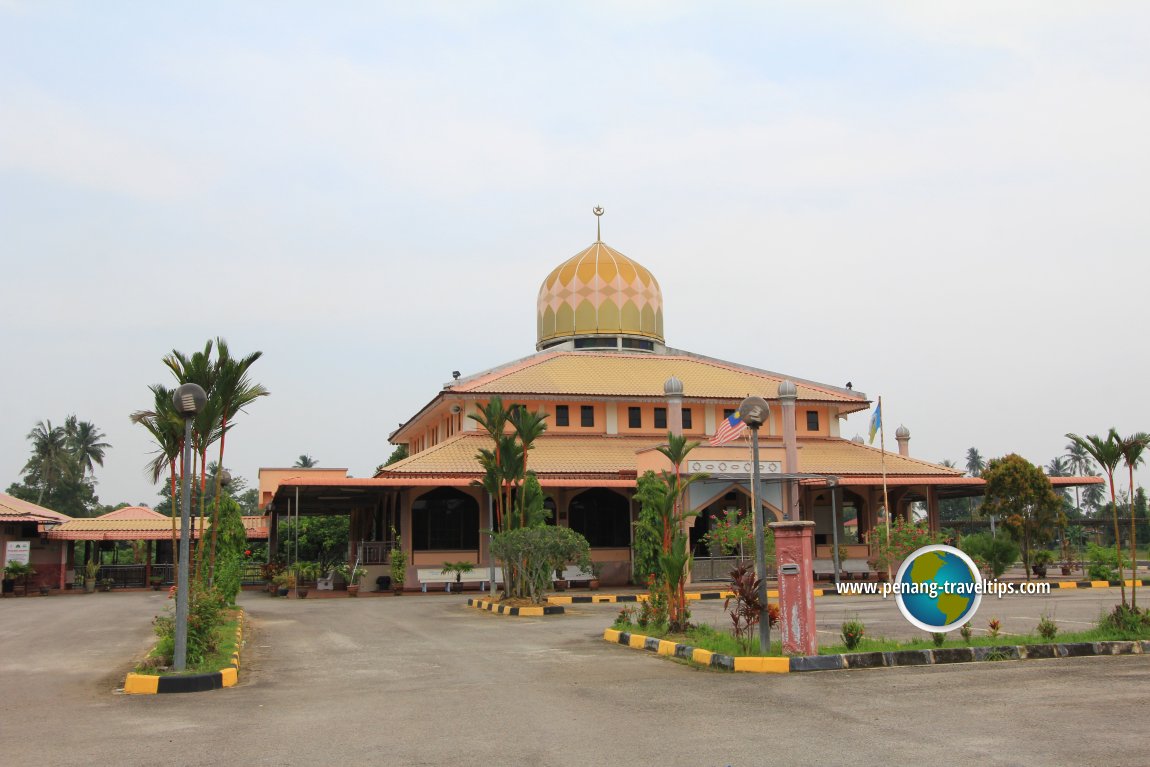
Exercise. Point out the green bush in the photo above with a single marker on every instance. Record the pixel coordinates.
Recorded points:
(999, 552)
(531, 555)
(853, 632)
(205, 614)
(1102, 563)
(1047, 629)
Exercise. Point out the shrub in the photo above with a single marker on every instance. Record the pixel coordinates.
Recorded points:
(999, 553)
(993, 628)
(1126, 620)
(1047, 629)
(853, 632)
(205, 614)
(531, 555)
(905, 538)
(966, 631)
(1102, 563)
(938, 638)
(748, 609)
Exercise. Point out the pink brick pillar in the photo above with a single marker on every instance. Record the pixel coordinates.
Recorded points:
(794, 555)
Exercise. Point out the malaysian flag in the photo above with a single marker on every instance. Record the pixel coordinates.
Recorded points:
(730, 428)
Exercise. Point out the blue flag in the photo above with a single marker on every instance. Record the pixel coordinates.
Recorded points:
(875, 422)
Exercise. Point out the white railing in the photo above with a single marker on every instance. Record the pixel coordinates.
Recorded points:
(374, 552)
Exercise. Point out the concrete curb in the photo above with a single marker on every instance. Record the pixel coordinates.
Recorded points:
(933, 657)
(826, 591)
(152, 684)
(498, 609)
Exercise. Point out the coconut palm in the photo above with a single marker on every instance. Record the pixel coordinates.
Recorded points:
(50, 458)
(1107, 453)
(1059, 466)
(307, 462)
(1080, 466)
(974, 462)
(83, 440)
(1132, 448)
(948, 463)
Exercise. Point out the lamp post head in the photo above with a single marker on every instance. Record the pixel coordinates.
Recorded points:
(225, 477)
(189, 399)
(754, 411)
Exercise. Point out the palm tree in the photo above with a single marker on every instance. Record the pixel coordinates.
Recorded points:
(305, 462)
(528, 427)
(233, 392)
(1080, 466)
(948, 463)
(1107, 452)
(1132, 448)
(493, 418)
(974, 462)
(1059, 466)
(167, 429)
(84, 444)
(50, 457)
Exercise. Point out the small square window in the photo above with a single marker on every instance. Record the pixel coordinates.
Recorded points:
(634, 418)
(812, 420)
(587, 415)
(562, 416)
(728, 412)
(660, 418)
(686, 418)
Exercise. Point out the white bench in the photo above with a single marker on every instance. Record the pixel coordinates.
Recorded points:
(848, 568)
(575, 573)
(480, 574)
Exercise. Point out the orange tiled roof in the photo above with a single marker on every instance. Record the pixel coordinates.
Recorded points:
(12, 509)
(159, 528)
(134, 512)
(643, 375)
(607, 454)
(553, 454)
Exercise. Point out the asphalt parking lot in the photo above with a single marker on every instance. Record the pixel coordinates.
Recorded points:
(421, 679)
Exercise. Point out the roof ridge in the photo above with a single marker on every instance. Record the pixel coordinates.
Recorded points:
(920, 461)
(727, 364)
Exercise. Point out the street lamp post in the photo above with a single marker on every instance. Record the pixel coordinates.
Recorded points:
(832, 483)
(188, 400)
(754, 411)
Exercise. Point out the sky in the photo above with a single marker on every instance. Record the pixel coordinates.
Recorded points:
(943, 203)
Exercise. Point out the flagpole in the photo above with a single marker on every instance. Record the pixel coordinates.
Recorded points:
(885, 500)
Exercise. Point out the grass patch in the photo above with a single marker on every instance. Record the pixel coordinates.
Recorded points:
(706, 637)
(221, 658)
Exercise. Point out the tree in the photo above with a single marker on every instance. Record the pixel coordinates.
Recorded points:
(1107, 452)
(493, 418)
(1017, 490)
(649, 494)
(1081, 466)
(167, 430)
(83, 441)
(1132, 448)
(305, 462)
(974, 462)
(397, 455)
(50, 458)
(528, 427)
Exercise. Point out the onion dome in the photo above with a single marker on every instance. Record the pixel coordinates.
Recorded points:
(902, 433)
(857, 439)
(788, 389)
(599, 293)
(673, 386)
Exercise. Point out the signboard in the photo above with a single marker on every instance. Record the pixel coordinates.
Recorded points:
(732, 467)
(17, 551)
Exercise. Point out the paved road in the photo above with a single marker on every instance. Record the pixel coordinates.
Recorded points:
(422, 680)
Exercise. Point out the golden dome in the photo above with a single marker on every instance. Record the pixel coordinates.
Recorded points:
(599, 292)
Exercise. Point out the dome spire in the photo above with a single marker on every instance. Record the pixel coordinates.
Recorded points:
(598, 211)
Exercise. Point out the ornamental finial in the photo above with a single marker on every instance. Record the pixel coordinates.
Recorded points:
(598, 211)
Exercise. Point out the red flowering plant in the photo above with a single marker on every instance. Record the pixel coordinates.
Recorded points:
(730, 533)
(905, 538)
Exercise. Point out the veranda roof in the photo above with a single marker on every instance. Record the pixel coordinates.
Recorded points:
(157, 529)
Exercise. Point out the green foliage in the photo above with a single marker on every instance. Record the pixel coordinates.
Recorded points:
(459, 568)
(1131, 622)
(937, 637)
(205, 615)
(998, 553)
(397, 455)
(351, 575)
(1047, 628)
(321, 539)
(731, 533)
(649, 493)
(905, 538)
(853, 632)
(1021, 494)
(18, 570)
(966, 631)
(1042, 558)
(1102, 563)
(232, 540)
(531, 555)
(398, 563)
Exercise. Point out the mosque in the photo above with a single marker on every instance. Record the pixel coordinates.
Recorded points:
(612, 388)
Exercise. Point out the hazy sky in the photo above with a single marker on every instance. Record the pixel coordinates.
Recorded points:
(942, 202)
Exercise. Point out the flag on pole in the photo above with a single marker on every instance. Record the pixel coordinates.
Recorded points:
(729, 429)
(875, 422)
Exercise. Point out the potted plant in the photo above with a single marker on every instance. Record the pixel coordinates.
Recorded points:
(459, 568)
(561, 583)
(304, 572)
(106, 584)
(595, 570)
(15, 571)
(352, 575)
(91, 570)
(157, 582)
(398, 561)
(1039, 562)
(284, 582)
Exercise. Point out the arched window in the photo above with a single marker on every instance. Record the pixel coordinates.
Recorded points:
(444, 519)
(602, 517)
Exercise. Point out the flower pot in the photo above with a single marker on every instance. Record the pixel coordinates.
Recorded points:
(89, 585)
(1065, 570)
(353, 591)
(594, 584)
(44, 590)
(282, 591)
(301, 593)
(561, 585)
(397, 590)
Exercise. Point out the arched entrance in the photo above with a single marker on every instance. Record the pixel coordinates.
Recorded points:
(445, 519)
(601, 516)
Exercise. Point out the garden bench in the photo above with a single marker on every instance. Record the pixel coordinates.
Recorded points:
(434, 576)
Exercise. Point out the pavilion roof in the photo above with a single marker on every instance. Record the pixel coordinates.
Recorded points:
(159, 528)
